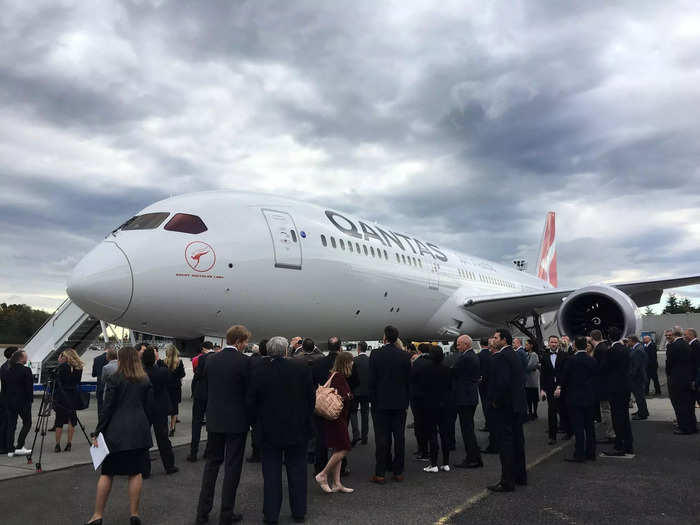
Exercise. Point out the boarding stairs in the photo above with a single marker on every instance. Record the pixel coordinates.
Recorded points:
(68, 327)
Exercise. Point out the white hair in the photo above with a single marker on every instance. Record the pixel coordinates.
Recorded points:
(277, 346)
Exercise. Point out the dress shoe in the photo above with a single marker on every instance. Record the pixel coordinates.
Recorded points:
(444, 468)
(57, 448)
(98, 521)
(380, 480)
(397, 477)
(266, 521)
(682, 433)
(172, 470)
(134, 520)
(575, 460)
(470, 464)
(489, 451)
(500, 488)
(613, 453)
(191, 458)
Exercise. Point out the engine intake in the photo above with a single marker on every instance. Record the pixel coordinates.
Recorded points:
(598, 307)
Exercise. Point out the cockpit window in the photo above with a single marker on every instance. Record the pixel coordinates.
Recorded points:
(147, 221)
(186, 223)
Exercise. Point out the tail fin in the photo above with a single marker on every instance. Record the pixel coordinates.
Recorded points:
(547, 261)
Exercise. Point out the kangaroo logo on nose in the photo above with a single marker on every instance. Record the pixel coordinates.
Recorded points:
(200, 256)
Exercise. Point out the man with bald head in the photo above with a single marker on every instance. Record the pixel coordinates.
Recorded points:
(466, 374)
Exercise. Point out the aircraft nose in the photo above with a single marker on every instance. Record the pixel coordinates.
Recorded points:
(102, 283)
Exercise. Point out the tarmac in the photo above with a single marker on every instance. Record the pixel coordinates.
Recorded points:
(659, 485)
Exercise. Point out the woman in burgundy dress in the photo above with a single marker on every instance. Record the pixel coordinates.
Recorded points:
(337, 436)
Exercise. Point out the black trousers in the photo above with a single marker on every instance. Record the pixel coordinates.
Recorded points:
(321, 449)
(584, 430)
(199, 409)
(227, 449)
(466, 424)
(533, 397)
(620, 412)
(484, 404)
(437, 421)
(13, 413)
(421, 428)
(552, 415)
(653, 375)
(388, 425)
(165, 448)
(641, 400)
(508, 428)
(361, 403)
(683, 401)
(256, 439)
(452, 424)
(295, 462)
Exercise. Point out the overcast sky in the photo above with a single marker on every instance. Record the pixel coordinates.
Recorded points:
(461, 121)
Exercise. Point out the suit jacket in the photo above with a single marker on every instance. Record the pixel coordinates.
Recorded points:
(199, 386)
(389, 377)
(695, 356)
(679, 366)
(506, 382)
(159, 378)
(309, 357)
(417, 388)
(227, 374)
(638, 366)
(434, 381)
(362, 370)
(282, 398)
(124, 420)
(465, 379)
(578, 380)
(484, 366)
(17, 386)
(97, 366)
(601, 352)
(548, 375)
(652, 359)
(618, 368)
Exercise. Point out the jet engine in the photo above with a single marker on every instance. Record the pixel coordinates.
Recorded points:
(598, 307)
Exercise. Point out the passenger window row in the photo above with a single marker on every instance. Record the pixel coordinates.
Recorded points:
(497, 282)
(356, 247)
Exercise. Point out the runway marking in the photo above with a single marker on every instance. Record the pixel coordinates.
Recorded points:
(484, 493)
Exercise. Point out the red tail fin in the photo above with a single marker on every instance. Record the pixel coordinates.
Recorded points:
(547, 261)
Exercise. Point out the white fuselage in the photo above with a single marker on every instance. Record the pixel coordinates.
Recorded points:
(285, 267)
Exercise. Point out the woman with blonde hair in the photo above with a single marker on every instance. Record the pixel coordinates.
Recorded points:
(66, 395)
(337, 436)
(177, 371)
(127, 431)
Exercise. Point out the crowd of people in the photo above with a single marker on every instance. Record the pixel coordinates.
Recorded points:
(276, 392)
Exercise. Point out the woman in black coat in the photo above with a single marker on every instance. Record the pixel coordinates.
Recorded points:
(66, 395)
(177, 371)
(127, 431)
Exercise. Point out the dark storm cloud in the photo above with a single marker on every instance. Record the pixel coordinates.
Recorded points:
(464, 125)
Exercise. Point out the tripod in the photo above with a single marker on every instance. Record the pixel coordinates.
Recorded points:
(42, 422)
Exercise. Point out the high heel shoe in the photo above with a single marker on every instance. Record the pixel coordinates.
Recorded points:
(68, 447)
(57, 448)
(134, 520)
(98, 521)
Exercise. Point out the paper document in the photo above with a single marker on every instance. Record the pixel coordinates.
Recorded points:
(100, 452)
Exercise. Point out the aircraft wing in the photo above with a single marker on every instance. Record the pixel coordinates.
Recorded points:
(510, 306)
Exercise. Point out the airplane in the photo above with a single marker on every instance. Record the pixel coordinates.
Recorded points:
(192, 265)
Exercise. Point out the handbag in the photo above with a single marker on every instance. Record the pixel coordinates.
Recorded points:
(329, 404)
(83, 400)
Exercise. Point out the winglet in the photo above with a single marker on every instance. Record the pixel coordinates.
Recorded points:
(547, 261)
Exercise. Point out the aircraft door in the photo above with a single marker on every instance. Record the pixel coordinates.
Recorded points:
(285, 239)
(434, 277)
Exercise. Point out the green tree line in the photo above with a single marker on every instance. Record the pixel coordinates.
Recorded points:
(18, 322)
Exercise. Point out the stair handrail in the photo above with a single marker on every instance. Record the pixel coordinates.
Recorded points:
(51, 318)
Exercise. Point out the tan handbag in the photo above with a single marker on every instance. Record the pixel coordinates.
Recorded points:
(329, 404)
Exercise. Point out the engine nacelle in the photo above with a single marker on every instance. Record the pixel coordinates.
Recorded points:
(598, 307)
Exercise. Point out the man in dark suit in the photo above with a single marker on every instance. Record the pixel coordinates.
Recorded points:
(465, 383)
(552, 367)
(601, 352)
(18, 393)
(418, 407)
(389, 377)
(508, 406)
(619, 392)
(4, 445)
(484, 366)
(281, 398)
(360, 396)
(226, 375)
(578, 382)
(652, 366)
(638, 376)
(199, 398)
(679, 368)
(97, 365)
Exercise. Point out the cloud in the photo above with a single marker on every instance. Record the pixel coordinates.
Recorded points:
(464, 124)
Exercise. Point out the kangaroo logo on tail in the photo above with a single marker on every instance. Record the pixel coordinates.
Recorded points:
(547, 261)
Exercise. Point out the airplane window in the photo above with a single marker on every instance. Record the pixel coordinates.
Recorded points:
(403, 258)
(342, 244)
(371, 249)
(323, 240)
(364, 247)
(420, 263)
(350, 247)
(294, 235)
(398, 259)
(147, 221)
(386, 256)
(333, 242)
(186, 223)
(357, 245)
